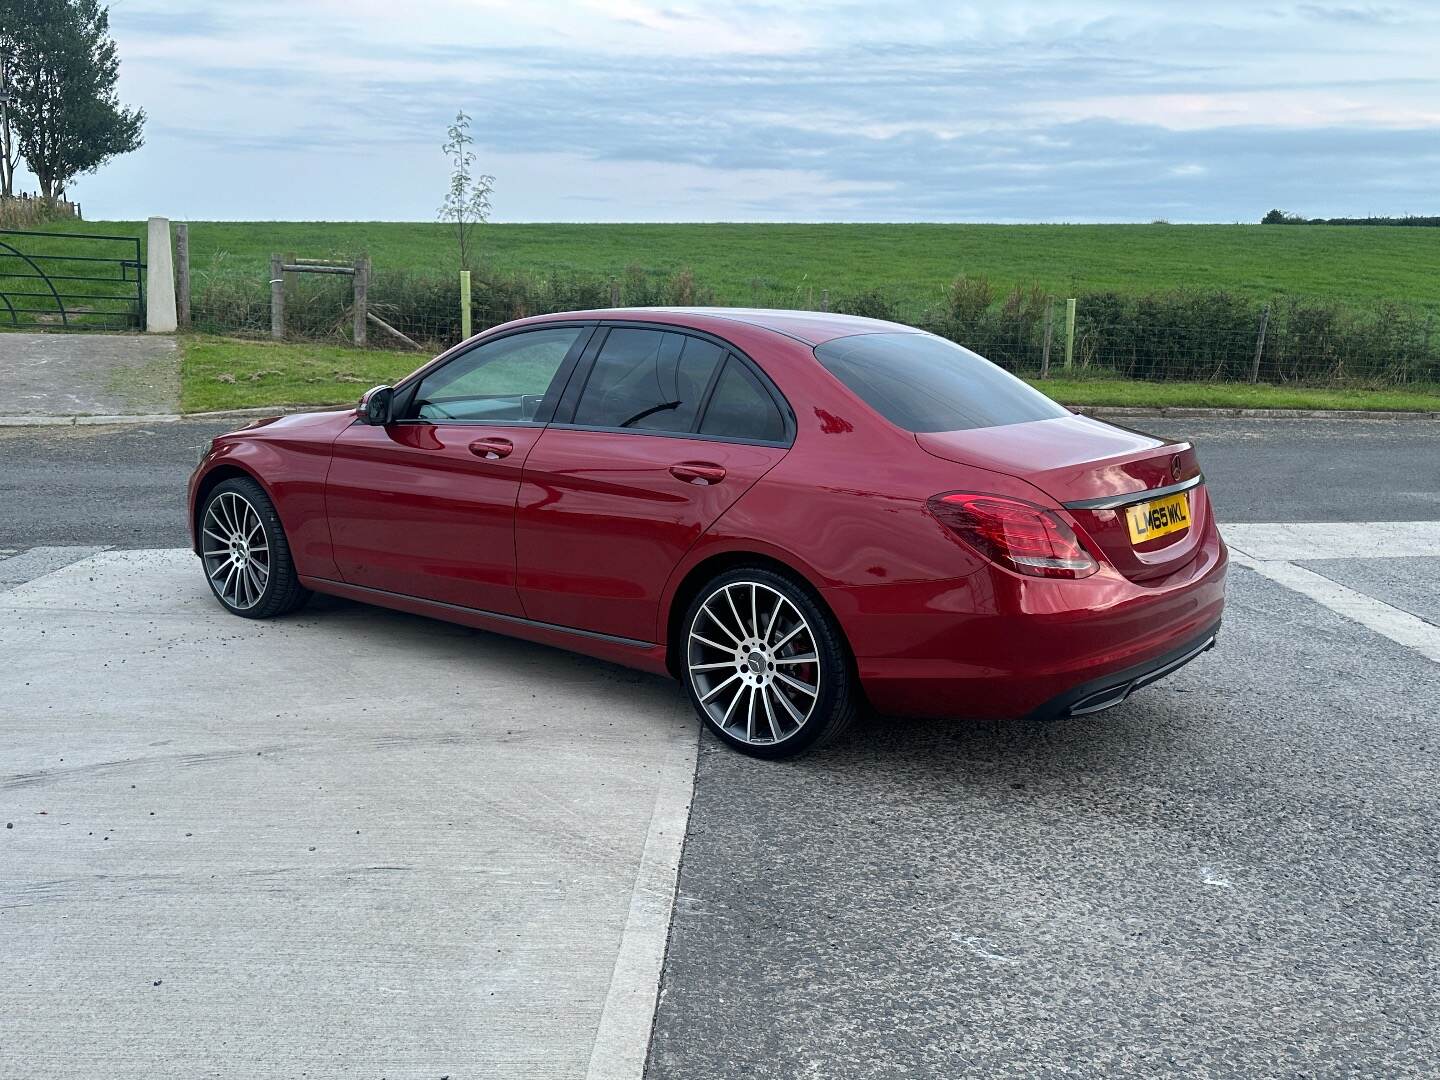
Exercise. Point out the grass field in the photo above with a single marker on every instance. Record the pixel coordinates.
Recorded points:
(1352, 264)
(219, 373)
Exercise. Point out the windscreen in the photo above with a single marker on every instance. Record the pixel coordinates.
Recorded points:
(920, 382)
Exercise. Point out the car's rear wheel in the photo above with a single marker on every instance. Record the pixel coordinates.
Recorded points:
(765, 665)
(245, 553)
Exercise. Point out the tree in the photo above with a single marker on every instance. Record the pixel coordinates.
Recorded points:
(467, 203)
(10, 21)
(67, 118)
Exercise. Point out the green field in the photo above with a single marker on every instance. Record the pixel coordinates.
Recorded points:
(1352, 264)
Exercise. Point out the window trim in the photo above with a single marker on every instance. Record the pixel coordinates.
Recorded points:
(580, 378)
(406, 389)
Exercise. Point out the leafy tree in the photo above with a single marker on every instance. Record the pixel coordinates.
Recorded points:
(467, 203)
(66, 115)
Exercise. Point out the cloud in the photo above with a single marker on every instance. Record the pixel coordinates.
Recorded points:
(176, 23)
(1367, 15)
(674, 110)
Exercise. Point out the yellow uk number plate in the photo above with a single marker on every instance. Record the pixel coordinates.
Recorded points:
(1158, 517)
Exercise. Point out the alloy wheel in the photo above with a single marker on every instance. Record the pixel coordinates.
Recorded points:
(753, 662)
(236, 550)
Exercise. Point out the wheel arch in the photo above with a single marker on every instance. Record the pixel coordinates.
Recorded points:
(225, 470)
(721, 562)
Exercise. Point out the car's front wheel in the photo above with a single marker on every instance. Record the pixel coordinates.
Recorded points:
(245, 553)
(765, 665)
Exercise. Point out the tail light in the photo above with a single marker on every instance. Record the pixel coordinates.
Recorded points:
(1021, 537)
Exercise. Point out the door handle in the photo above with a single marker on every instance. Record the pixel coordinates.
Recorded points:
(492, 449)
(702, 473)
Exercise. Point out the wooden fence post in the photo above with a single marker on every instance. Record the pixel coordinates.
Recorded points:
(614, 293)
(1069, 333)
(1049, 335)
(362, 297)
(1260, 344)
(277, 298)
(182, 274)
(464, 305)
(824, 299)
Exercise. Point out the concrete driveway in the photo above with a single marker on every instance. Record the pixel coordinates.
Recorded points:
(349, 843)
(69, 375)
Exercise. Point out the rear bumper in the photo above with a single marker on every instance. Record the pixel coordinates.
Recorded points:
(995, 646)
(1110, 690)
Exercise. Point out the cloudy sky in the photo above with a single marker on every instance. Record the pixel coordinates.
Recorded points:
(628, 110)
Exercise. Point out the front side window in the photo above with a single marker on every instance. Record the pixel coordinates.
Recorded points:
(504, 380)
(920, 382)
(649, 380)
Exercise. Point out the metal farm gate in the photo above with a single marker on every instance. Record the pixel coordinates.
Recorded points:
(76, 281)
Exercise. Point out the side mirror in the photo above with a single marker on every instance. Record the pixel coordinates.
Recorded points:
(376, 406)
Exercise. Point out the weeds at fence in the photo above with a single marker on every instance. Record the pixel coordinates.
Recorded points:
(1164, 336)
(31, 211)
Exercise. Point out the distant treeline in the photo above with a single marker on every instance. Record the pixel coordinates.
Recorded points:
(1284, 217)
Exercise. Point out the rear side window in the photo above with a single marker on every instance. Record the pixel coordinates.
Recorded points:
(649, 380)
(740, 408)
(924, 383)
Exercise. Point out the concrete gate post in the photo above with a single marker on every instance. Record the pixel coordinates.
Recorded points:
(159, 279)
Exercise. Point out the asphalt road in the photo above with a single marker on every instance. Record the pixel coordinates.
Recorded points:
(126, 486)
(1232, 875)
(122, 486)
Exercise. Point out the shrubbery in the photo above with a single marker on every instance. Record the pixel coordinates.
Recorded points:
(1282, 217)
(1169, 335)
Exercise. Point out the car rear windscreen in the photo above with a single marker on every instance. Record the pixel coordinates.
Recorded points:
(924, 383)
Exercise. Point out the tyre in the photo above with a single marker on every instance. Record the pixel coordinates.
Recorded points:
(766, 667)
(245, 553)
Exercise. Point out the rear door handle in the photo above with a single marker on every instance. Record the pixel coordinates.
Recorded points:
(698, 472)
(492, 449)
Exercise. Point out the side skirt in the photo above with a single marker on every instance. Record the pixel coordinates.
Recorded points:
(644, 655)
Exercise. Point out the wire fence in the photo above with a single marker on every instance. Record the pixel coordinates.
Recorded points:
(1163, 336)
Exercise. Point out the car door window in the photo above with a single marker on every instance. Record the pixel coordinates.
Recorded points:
(649, 380)
(741, 408)
(506, 379)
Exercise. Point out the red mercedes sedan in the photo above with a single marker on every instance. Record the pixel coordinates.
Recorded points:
(793, 513)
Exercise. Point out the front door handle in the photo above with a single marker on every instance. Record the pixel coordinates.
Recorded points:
(698, 472)
(492, 449)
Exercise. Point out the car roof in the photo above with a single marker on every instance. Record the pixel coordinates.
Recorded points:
(810, 327)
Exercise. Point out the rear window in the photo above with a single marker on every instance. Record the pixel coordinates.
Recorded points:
(920, 382)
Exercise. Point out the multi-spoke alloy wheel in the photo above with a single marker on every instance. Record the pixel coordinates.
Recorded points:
(246, 557)
(764, 664)
(237, 558)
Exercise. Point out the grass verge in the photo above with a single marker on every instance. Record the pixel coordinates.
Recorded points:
(222, 373)
(1132, 393)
